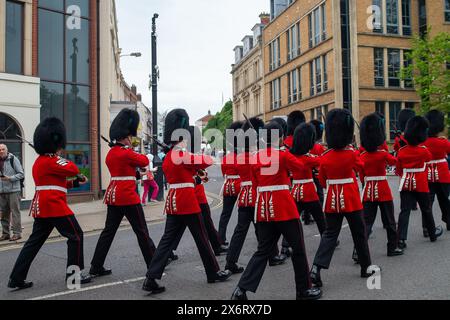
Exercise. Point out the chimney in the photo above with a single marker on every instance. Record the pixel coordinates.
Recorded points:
(139, 97)
(134, 89)
(265, 18)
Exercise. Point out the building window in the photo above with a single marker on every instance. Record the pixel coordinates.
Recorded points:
(293, 43)
(14, 37)
(379, 66)
(245, 78)
(318, 73)
(324, 22)
(392, 16)
(325, 73)
(293, 86)
(406, 63)
(447, 11)
(394, 67)
(312, 83)
(410, 105)
(319, 113)
(256, 71)
(276, 94)
(275, 54)
(310, 33)
(422, 18)
(380, 108)
(406, 17)
(9, 130)
(236, 85)
(394, 110)
(317, 26)
(378, 16)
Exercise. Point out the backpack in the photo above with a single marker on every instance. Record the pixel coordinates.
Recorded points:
(22, 181)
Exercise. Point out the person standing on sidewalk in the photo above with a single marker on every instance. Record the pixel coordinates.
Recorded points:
(49, 207)
(11, 175)
(121, 196)
(148, 180)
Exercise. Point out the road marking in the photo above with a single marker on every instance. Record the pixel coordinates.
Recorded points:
(70, 292)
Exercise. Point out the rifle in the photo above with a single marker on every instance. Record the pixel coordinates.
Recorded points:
(159, 143)
(25, 141)
(247, 120)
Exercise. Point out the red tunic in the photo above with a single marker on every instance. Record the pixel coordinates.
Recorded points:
(51, 172)
(337, 175)
(179, 168)
(438, 167)
(122, 163)
(289, 142)
(274, 201)
(247, 196)
(411, 166)
(303, 186)
(232, 186)
(318, 150)
(373, 175)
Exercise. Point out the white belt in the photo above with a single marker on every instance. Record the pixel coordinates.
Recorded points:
(380, 178)
(415, 170)
(340, 181)
(273, 188)
(232, 177)
(123, 179)
(246, 184)
(182, 186)
(51, 188)
(438, 161)
(303, 181)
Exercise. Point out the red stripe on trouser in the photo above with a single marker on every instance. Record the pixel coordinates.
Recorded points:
(206, 242)
(79, 240)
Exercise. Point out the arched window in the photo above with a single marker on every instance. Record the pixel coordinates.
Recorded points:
(9, 130)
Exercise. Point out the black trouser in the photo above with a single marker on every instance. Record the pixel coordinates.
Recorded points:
(387, 217)
(68, 227)
(329, 238)
(319, 190)
(211, 231)
(269, 233)
(228, 207)
(175, 225)
(408, 199)
(442, 191)
(135, 215)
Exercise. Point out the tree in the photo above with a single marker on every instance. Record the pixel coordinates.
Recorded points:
(430, 71)
(222, 120)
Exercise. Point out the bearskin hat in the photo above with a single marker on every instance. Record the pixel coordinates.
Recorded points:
(339, 128)
(125, 124)
(295, 119)
(318, 125)
(304, 139)
(232, 142)
(437, 122)
(416, 131)
(50, 136)
(194, 143)
(283, 124)
(372, 132)
(252, 124)
(175, 120)
(403, 118)
(272, 128)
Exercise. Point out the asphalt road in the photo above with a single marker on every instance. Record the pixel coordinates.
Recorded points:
(422, 273)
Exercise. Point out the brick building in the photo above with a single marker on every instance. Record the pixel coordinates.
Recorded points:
(323, 54)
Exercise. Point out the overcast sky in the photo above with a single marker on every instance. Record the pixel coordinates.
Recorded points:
(195, 48)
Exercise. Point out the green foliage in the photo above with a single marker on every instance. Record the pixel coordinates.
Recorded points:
(222, 120)
(428, 70)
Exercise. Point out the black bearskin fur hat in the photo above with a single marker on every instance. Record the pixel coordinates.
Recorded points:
(255, 124)
(403, 118)
(304, 139)
(283, 124)
(295, 119)
(272, 128)
(50, 136)
(339, 128)
(437, 122)
(233, 145)
(417, 130)
(125, 124)
(318, 125)
(372, 132)
(175, 120)
(194, 144)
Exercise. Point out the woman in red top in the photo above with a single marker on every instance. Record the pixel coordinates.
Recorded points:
(121, 196)
(342, 197)
(411, 167)
(438, 171)
(303, 188)
(376, 191)
(49, 207)
(232, 184)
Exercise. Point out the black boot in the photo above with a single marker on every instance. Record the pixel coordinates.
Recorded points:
(19, 285)
(234, 268)
(150, 285)
(315, 276)
(439, 232)
(311, 294)
(277, 260)
(366, 274)
(425, 233)
(220, 276)
(286, 251)
(395, 253)
(221, 251)
(239, 295)
(101, 272)
(84, 278)
(355, 256)
(402, 244)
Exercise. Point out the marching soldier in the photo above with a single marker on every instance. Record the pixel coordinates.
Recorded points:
(318, 150)
(49, 207)
(412, 162)
(342, 197)
(376, 192)
(403, 117)
(232, 184)
(295, 119)
(181, 208)
(276, 215)
(121, 196)
(438, 171)
(304, 191)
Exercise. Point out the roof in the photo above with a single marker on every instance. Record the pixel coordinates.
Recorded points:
(206, 119)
